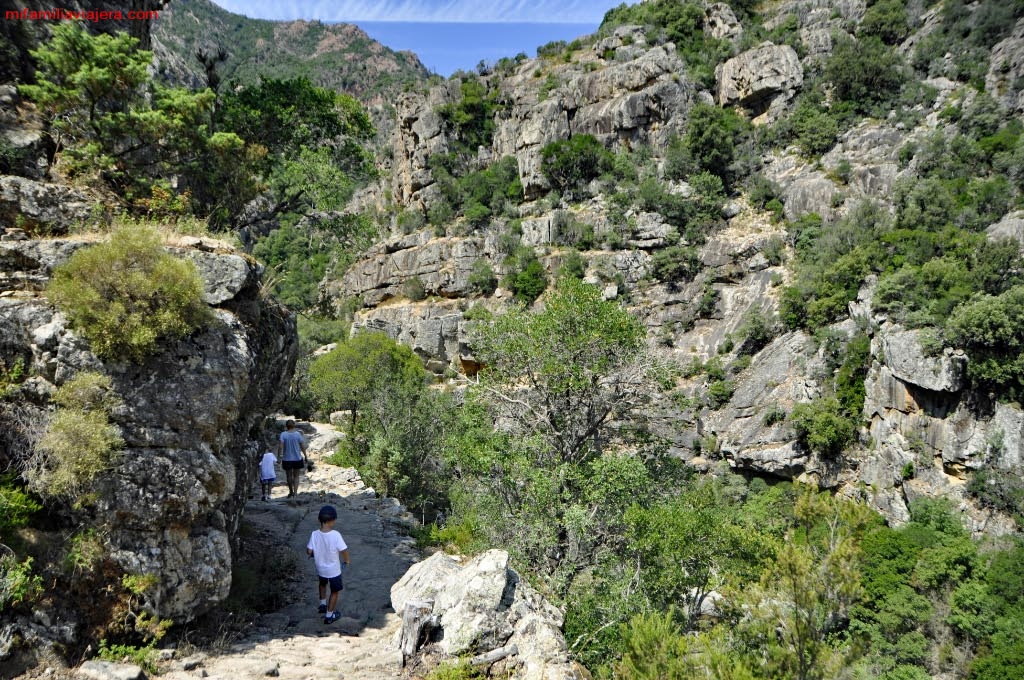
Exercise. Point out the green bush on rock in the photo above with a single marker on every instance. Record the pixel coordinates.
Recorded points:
(128, 295)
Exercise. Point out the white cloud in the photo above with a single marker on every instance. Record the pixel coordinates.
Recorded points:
(540, 11)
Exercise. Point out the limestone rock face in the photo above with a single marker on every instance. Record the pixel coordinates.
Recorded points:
(639, 96)
(483, 607)
(443, 265)
(748, 439)
(901, 352)
(1011, 226)
(721, 22)
(173, 501)
(40, 206)
(928, 433)
(760, 80)
(1006, 69)
(435, 331)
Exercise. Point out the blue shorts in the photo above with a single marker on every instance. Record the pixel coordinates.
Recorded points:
(335, 581)
(267, 480)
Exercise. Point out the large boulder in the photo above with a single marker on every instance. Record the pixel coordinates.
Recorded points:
(760, 80)
(486, 609)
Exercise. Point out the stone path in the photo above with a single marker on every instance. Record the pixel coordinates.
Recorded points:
(293, 642)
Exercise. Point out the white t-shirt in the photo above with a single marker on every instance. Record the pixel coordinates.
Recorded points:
(326, 546)
(267, 466)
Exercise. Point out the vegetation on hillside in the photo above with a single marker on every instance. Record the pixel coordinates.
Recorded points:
(662, 572)
(339, 57)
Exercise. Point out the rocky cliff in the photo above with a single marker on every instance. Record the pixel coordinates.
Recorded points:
(190, 416)
(923, 429)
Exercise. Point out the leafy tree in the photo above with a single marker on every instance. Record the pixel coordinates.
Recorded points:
(304, 252)
(127, 296)
(865, 73)
(576, 356)
(351, 376)
(712, 135)
(822, 427)
(989, 329)
(285, 115)
(307, 141)
(806, 593)
(569, 164)
(396, 423)
(83, 80)
(688, 545)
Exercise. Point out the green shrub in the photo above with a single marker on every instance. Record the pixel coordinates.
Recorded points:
(991, 330)
(675, 264)
(529, 282)
(481, 277)
(526, 278)
(414, 289)
(79, 442)
(712, 136)
(720, 392)
(757, 332)
(410, 220)
(476, 214)
(569, 164)
(886, 19)
(573, 265)
(654, 648)
(459, 669)
(865, 73)
(16, 507)
(17, 582)
(822, 427)
(999, 489)
(128, 295)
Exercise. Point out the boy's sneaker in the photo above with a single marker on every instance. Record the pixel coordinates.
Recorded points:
(332, 617)
(322, 609)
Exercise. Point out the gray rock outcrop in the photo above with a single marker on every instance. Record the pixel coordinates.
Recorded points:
(41, 207)
(1006, 70)
(761, 80)
(443, 265)
(639, 97)
(480, 607)
(171, 505)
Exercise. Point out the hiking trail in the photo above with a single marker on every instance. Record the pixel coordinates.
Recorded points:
(292, 642)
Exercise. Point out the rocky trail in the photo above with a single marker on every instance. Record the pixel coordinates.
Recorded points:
(292, 642)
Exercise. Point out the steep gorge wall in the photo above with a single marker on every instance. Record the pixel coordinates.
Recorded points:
(172, 503)
(919, 437)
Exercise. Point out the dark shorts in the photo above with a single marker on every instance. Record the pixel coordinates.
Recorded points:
(292, 464)
(336, 584)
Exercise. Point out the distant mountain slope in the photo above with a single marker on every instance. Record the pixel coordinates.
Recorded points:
(338, 56)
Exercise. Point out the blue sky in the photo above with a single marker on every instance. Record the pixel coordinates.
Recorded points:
(446, 34)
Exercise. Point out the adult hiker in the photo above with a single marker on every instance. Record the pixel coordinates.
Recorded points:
(291, 449)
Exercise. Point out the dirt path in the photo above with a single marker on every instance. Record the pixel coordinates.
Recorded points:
(293, 642)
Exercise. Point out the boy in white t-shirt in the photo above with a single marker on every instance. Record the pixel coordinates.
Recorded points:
(267, 475)
(330, 554)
